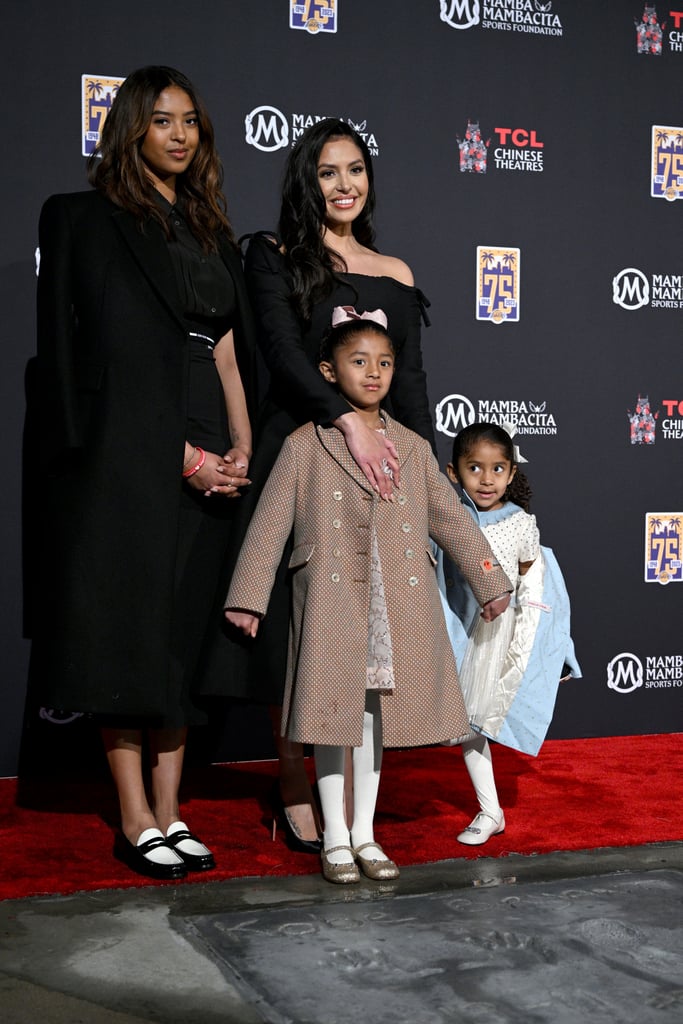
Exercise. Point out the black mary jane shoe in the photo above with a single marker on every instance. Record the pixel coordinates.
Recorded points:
(292, 838)
(194, 860)
(135, 857)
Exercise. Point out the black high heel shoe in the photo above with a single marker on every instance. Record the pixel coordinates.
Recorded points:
(292, 838)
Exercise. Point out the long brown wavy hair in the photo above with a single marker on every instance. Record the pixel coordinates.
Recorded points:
(117, 168)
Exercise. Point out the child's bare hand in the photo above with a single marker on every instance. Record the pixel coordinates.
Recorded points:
(247, 622)
(492, 609)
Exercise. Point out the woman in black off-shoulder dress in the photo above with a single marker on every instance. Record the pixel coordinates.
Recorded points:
(323, 257)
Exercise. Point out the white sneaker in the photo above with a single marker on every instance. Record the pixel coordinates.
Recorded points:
(481, 829)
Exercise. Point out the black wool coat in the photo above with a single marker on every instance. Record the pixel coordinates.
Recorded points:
(113, 358)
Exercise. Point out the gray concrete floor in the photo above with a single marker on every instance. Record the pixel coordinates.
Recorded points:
(585, 937)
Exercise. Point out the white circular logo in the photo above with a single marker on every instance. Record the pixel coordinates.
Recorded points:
(459, 13)
(453, 413)
(630, 289)
(266, 128)
(625, 673)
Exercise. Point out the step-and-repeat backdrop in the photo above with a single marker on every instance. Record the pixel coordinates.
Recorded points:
(529, 166)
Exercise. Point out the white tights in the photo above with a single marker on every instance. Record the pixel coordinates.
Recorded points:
(477, 755)
(367, 764)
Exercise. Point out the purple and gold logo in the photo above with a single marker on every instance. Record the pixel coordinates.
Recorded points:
(663, 547)
(498, 284)
(97, 96)
(667, 163)
(314, 16)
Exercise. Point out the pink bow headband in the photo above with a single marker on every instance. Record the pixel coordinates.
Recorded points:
(347, 314)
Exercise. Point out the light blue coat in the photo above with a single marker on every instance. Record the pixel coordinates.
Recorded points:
(541, 656)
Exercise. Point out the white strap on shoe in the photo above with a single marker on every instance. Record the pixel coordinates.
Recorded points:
(159, 854)
(191, 847)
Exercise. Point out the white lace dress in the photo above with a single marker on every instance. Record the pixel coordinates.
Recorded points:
(514, 539)
(380, 669)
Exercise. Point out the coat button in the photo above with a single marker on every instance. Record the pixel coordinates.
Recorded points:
(406, 527)
(337, 524)
(409, 553)
(335, 577)
(413, 581)
(337, 552)
(337, 495)
(402, 499)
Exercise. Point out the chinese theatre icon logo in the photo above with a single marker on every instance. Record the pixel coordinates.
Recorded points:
(97, 96)
(473, 150)
(314, 16)
(497, 284)
(649, 32)
(663, 547)
(667, 163)
(643, 422)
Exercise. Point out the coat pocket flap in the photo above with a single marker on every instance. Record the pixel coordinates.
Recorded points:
(300, 555)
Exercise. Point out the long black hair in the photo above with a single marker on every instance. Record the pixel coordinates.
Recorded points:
(302, 214)
(117, 168)
(518, 490)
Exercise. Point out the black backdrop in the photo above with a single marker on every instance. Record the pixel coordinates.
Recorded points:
(575, 219)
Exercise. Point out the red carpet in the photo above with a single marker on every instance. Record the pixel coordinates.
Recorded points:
(57, 835)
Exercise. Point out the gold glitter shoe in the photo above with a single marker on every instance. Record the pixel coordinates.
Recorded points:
(379, 868)
(342, 874)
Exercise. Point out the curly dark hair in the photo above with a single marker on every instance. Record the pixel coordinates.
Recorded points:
(302, 214)
(518, 490)
(117, 168)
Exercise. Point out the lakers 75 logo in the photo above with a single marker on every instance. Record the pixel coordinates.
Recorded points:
(663, 547)
(314, 15)
(667, 163)
(497, 284)
(97, 96)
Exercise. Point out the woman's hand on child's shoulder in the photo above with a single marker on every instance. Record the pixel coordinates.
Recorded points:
(373, 452)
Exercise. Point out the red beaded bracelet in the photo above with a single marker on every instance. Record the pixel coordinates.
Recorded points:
(195, 469)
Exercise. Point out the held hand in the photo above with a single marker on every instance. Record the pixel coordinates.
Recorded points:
(237, 462)
(244, 621)
(217, 476)
(492, 609)
(372, 451)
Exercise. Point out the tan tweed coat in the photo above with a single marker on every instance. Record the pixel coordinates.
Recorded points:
(316, 489)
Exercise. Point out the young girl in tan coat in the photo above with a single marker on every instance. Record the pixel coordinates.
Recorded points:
(370, 663)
